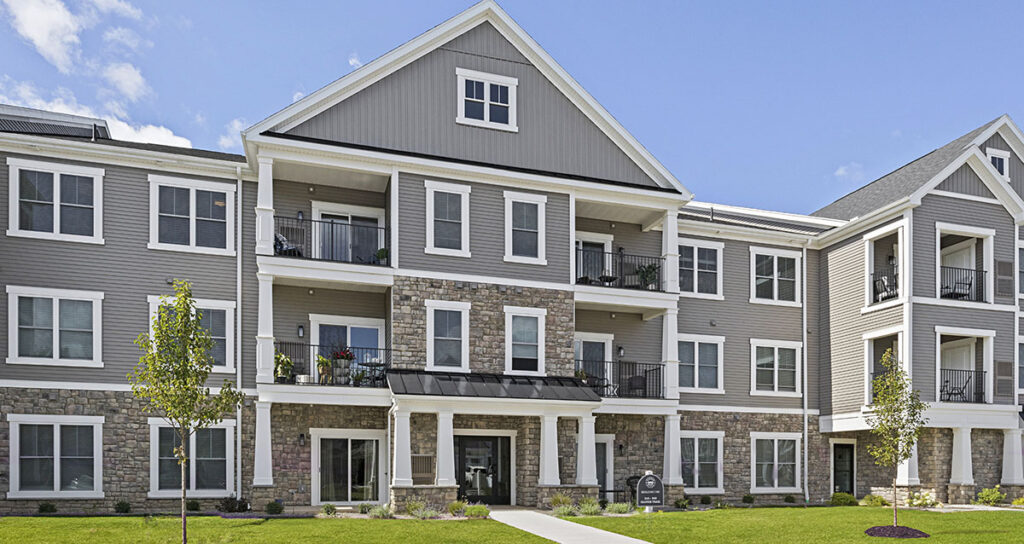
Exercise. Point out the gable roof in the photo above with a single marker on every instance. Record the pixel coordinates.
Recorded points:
(488, 11)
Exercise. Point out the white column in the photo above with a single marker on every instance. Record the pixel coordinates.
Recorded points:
(1013, 465)
(263, 463)
(445, 449)
(962, 470)
(586, 456)
(670, 251)
(402, 474)
(672, 472)
(265, 330)
(549, 450)
(906, 473)
(265, 207)
(670, 352)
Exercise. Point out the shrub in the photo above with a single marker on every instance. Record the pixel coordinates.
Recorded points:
(991, 496)
(565, 511)
(426, 513)
(721, 505)
(231, 504)
(477, 511)
(123, 507)
(274, 508)
(1019, 501)
(843, 499)
(748, 499)
(590, 509)
(875, 500)
(192, 505)
(381, 512)
(922, 499)
(705, 499)
(364, 508)
(682, 504)
(411, 507)
(47, 508)
(588, 501)
(328, 510)
(618, 508)
(789, 499)
(560, 499)
(456, 508)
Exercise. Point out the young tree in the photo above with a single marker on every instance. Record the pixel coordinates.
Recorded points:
(897, 420)
(171, 375)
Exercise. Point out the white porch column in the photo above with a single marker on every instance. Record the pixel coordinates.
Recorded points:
(402, 474)
(586, 456)
(265, 207)
(265, 330)
(1013, 465)
(670, 352)
(962, 470)
(549, 450)
(670, 251)
(906, 473)
(263, 462)
(445, 449)
(672, 472)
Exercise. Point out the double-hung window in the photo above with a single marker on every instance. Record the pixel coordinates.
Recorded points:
(524, 340)
(447, 335)
(218, 318)
(209, 466)
(774, 276)
(1000, 160)
(54, 327)
(774, 462)
(447, 219)
(486, 100)
(55, 456)
(701, 454)
(700, 268)
(525, 227)
(191, 215)
(775, 368)
(700, 363)
(55, 201)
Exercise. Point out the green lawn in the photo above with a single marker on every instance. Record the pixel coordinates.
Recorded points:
(114, 530)
(811, 525)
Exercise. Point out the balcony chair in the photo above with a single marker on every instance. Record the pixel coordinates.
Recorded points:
(283, 247)
(959, 289)
(949, 393)
(885, 288)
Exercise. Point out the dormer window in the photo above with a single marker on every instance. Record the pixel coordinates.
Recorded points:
(486, 100)
(1000, 161)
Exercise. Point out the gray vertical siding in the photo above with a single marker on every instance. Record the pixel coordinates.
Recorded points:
(1016, 166)
(640, 339)
(414, 109)
(964, 180)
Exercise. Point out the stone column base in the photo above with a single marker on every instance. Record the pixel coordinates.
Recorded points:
(672, 494)
(959, 494)
(575, 492)
(1012, 491)
(432, 496)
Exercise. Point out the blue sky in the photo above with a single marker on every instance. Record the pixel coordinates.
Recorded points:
(780, 105)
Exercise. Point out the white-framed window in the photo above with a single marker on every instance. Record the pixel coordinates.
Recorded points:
(191, 215)
(700, 268)
(774, 462)
(216, 316)
(55, 327)
(210, 470)
(447, 335)
(55, 201)
(55, 457)
(348, 466)
(701, 368)
(447, 219)
(775, 368)
(524, 340)
(702, 458)
(525, 228)
(774, 276)
(486, 100)
(1000, 161)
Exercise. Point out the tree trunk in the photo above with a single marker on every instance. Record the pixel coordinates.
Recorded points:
(181, 463)
(895, 505)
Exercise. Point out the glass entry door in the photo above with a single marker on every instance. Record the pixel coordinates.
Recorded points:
(842, 466)
(349, 470)
(484, 468)
(349, 238)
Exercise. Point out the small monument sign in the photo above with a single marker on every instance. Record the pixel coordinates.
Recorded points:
(650, 491)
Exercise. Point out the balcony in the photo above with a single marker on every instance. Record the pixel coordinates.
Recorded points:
(331, 241)
(619, 269)
(962, 284)
(885, 284)
(967, 386)
(333, 365)
(623, 379)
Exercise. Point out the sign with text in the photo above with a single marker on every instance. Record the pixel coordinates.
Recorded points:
(650, 491)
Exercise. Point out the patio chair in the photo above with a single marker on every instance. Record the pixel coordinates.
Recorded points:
(283, 247)
(950, 393)
(958, 290)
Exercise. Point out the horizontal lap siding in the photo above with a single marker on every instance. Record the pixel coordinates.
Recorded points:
(292, 306)
(250, 287)
(291, 197)
(640, 339)
(630, 237)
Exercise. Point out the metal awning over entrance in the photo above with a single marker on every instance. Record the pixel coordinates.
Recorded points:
(499, 386)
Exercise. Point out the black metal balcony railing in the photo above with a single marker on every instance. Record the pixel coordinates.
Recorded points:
(623, 379)
(885, 284)
(962, 284)
(962, 386)
(334, 365)
(619, 269)
(331, 241)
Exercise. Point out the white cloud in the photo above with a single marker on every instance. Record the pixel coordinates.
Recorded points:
(127, 79)
(232, 137)
(118, 7)
(125, 37)
(199, 119)
(851, 171)
(353, 61)
(50, 27)
(297, 95)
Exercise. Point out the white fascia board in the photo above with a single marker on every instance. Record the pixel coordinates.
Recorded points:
(768, 214)
(689, 227)
(305, 269)
(494, 406)
(1006, 128)
(324, 395)
(663, 407)
(992, 179)
(630, 298)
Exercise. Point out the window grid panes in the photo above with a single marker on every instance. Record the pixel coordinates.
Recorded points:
(35, 463)
(76, 205)
(491, 106)
(192, 217)
(525, 331)
(75, 329)
(35, 201)
(775, 278)
(76, 458)
(55, 457)
(55, 328)
(174, 215)
(169, 471)
(206, 459)
(698, 270)
(211, 219)
(999, 163)
(447, 220)
(447, 338)
(698, 364)
(525, 229)
(215, 321)
(775, 463)
(775, 369)
(211, 459)
(700, 462)
(35, 327)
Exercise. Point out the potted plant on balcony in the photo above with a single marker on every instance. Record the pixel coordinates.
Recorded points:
(381, 255)
(357, 377)
(282, 367)
(324, 368)
(648, 274)
(342, 365)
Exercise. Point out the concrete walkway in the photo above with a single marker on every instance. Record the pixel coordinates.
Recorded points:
(558, 530)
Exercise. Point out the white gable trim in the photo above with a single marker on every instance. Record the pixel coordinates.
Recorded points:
(1006, 128)
(992, 179)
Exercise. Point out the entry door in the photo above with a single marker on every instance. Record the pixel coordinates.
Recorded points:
(348, 238)
(591, 261)
(605, 478)
(484, 469)
(842, 468)
(593, 356)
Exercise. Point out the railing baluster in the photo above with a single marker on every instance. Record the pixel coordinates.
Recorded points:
(962, 283)
(618, 269)
(373, 363)
(331, 241)
(624, 379)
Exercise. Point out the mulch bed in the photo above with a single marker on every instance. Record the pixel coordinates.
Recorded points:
(888, 531)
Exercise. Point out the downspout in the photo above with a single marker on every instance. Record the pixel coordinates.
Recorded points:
(238, 331)
(803, 275)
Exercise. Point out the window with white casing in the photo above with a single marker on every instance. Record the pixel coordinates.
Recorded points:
(702, 456)
(209, 471)
(57, 327)
(447, 219)
(774, 276)
(1000, 161)
(700, 268)
(524, 340)
(774, 462)
(525, 228)
(55, 457)
(700, 363)
(55, 201)
(218, 318)
(191, 215)
(447, 335)
(775, 368)
(486, 100)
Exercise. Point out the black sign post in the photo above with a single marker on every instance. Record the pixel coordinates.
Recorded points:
(650, 491)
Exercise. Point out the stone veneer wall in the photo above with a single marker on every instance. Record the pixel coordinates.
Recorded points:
(934, 458)
(639, 446)
(527, 444)
(987, 457)
(486, 322)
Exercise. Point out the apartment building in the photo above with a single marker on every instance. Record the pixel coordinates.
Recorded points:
(486, 288)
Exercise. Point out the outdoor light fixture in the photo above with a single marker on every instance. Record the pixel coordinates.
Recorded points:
(622, 351)
(302, 331)
(302, 439)
(299, 215)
